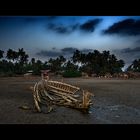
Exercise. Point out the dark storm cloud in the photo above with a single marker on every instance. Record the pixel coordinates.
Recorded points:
(71, 50)
(61, 29)
(54, 53)
(130, 50)
(58, 28)
(86, 50)
(90, 25)
(74, 27)
(48, 53)
(125, 27)
(137, 41)
(65, 51)
(53, 48)
(68, 50)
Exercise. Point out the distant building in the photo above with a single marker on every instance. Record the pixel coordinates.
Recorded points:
(30, 72)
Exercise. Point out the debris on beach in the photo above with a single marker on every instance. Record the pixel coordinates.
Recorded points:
(25, 107)
(47, 92)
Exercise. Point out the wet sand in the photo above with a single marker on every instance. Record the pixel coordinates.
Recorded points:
(115, 102)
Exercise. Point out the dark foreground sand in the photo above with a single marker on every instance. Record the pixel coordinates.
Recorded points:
(115, 102)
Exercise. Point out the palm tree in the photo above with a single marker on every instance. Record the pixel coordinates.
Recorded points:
(62, 59)
(121, 63)
(69, 66)
(12, 55)
(33, 61)
(135, 66)
(1, 54)
(23, 57)
(76, 56)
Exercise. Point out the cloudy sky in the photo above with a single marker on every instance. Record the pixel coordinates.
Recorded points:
(43, 37)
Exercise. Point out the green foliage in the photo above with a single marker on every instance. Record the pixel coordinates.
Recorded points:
(71, 73)
(99, 63)
(1, 54)
(56, 64)
(7, 74)
(70, 66)
(135, 66)
(96, 62)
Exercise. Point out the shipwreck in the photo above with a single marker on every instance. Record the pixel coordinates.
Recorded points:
(48, 92)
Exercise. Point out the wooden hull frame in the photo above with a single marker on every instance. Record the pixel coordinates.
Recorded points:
(50, 93)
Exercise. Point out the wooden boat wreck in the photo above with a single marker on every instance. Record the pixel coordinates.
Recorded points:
(48, 92)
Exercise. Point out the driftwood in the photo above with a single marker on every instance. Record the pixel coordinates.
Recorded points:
(48, 92)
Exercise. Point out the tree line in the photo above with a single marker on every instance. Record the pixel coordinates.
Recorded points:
(95, 62)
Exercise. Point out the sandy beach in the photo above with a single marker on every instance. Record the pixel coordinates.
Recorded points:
(115, 102)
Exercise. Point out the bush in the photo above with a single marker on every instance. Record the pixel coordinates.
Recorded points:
(68, 74)
(7, 74)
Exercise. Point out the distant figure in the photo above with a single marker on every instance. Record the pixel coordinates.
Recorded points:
(45, 74)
